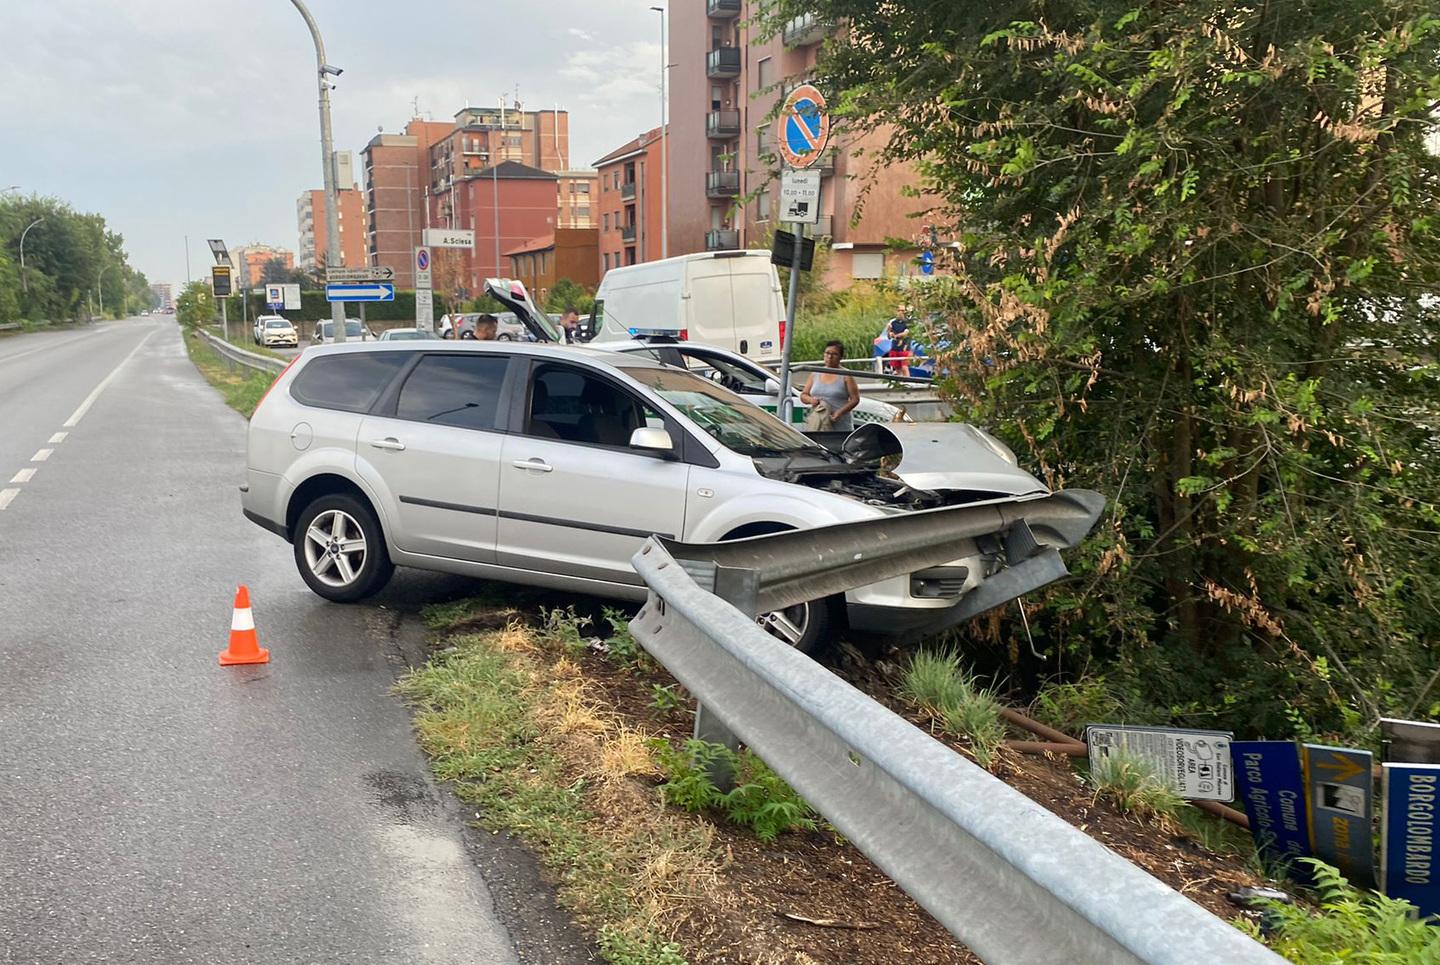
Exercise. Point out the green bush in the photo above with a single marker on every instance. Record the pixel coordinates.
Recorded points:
(760, 800)
(1132, 785)
(854, 316)
(1351, 926)
(1071, 705)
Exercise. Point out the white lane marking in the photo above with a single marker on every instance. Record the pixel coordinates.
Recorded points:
(79, 413)
(7, 496)
(59, 437)
(68, 341)
(41, 455)
(24, 476)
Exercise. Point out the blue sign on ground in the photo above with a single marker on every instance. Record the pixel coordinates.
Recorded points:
(1408, 859)
(1339, 787)
(1269, 783)
(369, 291)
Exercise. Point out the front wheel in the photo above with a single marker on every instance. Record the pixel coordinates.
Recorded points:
(806, 626)
(340, 550)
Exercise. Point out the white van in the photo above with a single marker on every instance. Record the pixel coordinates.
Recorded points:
(729, 299)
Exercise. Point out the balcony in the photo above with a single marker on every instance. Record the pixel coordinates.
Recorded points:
(722, 184)
(627, 191)
(722, 125)
(722, 9)
(627, 234)
(722, 239)
(804, 30)
(722, 62)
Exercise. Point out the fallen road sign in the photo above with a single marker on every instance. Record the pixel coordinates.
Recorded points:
(1339, 788)
(1196, 763)
(1272, 790)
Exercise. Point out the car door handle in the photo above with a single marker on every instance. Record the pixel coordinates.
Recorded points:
(539, 465)
(389, 442)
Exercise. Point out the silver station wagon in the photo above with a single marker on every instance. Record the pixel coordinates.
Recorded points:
(549, 465)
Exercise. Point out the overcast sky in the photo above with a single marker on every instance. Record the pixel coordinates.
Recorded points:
(199, 117)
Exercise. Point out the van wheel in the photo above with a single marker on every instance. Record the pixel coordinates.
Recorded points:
(340, 550)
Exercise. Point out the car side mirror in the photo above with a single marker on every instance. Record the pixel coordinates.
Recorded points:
(772, 387)
(652, 440)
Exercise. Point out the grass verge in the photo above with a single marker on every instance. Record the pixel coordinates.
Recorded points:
(241, 391)
(509, 720)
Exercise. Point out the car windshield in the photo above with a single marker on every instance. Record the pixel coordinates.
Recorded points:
(277, 323)
(352, 328)
(396, 334)
(729, 419)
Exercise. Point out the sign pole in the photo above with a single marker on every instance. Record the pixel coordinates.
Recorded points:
(225, 317)
(787, 405)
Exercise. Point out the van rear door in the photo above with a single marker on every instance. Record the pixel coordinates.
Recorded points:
(758, 306)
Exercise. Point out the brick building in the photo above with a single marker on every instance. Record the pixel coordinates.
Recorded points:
(525, 198)
(569, 253)
(314, 241)
(249, 262)
(397, 171)
(629, 203)
(576, 195)
(722, 147)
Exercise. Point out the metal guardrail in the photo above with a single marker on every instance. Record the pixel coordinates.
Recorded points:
(233, 356)
(1012, 881)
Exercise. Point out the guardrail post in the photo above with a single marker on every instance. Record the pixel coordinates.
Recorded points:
(741, 589)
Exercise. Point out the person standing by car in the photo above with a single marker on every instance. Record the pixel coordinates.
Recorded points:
(570, 322)
(484, 330)
(831, 397)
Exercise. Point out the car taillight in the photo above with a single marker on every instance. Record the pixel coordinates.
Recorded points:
(782, 334)
(684, 334)
(266, 393)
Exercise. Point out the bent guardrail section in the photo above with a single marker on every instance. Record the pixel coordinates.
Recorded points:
(234, 355)
(1012, 881)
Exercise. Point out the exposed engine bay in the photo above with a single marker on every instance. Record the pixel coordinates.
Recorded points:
(907, 466)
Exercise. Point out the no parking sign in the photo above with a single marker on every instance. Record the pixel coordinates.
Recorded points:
(804, 127)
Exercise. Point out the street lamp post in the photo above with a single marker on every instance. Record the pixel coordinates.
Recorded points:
(664, 146)
(327, 151)
(99, 291)
(24, 281)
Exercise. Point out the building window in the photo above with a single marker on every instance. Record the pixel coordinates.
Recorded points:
(582, 187)
(762, 206)
(629, 256)
(867, 264)
(766, 72)
(607, 222)
(607, 261)
(582, 211)
(762, 141)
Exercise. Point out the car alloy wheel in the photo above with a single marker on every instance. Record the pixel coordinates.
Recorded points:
(788, 625)
(335, 548)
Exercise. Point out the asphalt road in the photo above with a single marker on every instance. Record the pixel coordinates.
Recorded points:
(155, 807)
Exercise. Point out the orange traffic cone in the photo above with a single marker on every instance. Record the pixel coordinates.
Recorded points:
(244, 644)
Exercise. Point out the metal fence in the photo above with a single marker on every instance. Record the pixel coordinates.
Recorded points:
(236, 357)
(1012, 881)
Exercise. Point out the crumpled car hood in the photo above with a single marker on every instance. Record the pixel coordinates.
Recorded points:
(941, 457)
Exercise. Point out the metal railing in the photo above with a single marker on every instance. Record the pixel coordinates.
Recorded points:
(722, 9)
(722, 184)
(627, 191)
(1012, 881)
(627, 233)
(803, 30)
(722, 125)
(234, 356)
(722, 239)
(722, 62)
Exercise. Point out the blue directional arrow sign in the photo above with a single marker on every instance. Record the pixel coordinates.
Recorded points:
(371, 291)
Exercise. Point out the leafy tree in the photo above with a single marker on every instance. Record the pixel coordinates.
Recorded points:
(276, 272)
(1196, 242)
(72, 260)
(568, 294)
(196, 305)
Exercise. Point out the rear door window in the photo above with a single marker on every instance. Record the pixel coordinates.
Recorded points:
(454, 390)
(350, 382)
(571, 405)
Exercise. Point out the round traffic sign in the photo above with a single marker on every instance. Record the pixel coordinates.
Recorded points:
(422, 259)
(804, 127)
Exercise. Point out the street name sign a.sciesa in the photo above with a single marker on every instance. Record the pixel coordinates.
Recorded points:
(335, 276)
(449, 238)
(378, 291)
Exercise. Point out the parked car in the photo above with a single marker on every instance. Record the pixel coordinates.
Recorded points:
(548, 465)
(275, 330)
(728, 299)
(324, 332)
(405, 334)
(257, 330)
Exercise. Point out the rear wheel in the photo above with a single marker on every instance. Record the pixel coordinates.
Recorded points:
(808, 627)
(340, 550)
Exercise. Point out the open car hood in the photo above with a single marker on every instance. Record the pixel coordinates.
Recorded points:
(941, 457)
(514, 297)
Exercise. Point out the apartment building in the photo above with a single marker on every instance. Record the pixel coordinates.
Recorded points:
(163, 294)
(314, 237)
(423, 178)
(724, 81)
(249, 262)
(397, 173)
(506, 206)
(569, 253)
(629, 203)
(576, 196)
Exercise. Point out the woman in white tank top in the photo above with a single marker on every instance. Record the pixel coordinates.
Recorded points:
(839, 394)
